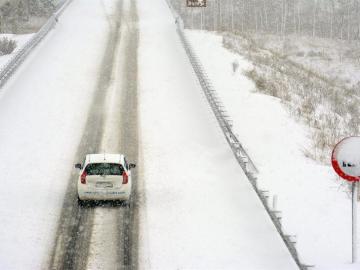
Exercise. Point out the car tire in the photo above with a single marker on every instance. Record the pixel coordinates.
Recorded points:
(127, 203)
(80, 202)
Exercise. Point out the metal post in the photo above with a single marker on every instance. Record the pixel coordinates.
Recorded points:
(274, 202)
(354, 221)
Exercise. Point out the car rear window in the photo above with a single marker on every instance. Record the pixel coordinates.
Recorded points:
(104, 169)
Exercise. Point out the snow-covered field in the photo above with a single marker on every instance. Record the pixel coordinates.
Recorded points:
(338, 60)
(21, 40)
(43, 110)
(314, 207)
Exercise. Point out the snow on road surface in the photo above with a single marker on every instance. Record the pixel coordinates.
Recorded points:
(314, 206)
(43, 110)
(103, 253)
(199, 210)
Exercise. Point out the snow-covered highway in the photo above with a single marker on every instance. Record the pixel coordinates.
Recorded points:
(53, 112)
(104, 236)
(200, 210)
(89, 87)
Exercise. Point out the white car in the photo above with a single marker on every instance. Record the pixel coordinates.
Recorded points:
(104, 177)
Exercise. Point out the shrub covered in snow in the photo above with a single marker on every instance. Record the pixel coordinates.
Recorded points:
(7, 46)
(328, 107)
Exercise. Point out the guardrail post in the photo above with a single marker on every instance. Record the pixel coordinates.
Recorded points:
(274, 203)
(265, 194)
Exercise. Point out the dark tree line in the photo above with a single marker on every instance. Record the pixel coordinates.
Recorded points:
(335, 19)
(14, 14)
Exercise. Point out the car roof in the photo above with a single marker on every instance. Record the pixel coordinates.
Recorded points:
(104, 158)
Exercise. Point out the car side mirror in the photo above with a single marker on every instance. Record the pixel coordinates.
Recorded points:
(132, 165)
(78, 166)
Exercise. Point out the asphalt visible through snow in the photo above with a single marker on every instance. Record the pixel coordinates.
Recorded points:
(79, 239)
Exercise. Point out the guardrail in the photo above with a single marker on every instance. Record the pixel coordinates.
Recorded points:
(240, 154)
(8, 70)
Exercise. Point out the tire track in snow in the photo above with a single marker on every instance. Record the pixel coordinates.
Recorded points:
(130, 141)
(105, 240)
(114, 239)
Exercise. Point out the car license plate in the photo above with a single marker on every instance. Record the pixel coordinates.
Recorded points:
(104, 185)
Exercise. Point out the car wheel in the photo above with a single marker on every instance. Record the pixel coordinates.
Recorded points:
(80, 202)
(127, 203)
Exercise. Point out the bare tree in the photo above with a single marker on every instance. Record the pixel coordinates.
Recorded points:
(316, 18)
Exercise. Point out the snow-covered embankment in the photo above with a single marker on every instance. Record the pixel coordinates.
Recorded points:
(313, 205)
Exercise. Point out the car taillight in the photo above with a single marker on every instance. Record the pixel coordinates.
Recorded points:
(125, 178)
(83, 178)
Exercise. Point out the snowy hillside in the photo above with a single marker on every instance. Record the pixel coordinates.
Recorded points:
(315, 207)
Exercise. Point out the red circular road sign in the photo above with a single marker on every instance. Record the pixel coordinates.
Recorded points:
(345, 159)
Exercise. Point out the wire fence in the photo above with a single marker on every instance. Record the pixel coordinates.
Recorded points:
(240, 153)
(11, 66)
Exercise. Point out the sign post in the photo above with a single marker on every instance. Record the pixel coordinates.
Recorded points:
(354, 221)
(196, 4)
(345, 160)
